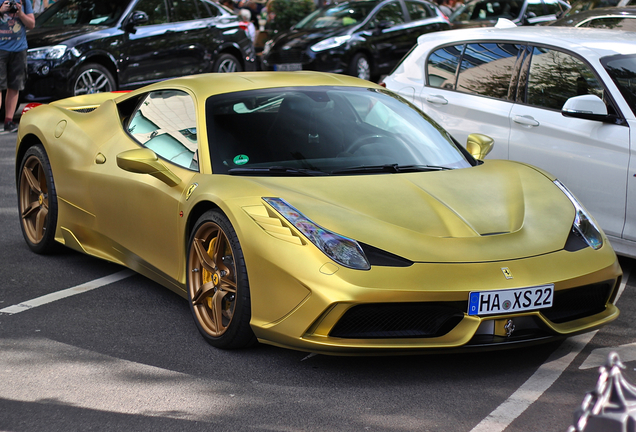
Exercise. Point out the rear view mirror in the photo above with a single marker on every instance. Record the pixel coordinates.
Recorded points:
(145, 161)
(479, 145)
(588, 107)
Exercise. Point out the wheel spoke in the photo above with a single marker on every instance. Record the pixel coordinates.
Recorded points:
(217, 310)
(205, 291)
(204, 258)
(34, 184)
(33, 207)
(40, 219)
(228, 285)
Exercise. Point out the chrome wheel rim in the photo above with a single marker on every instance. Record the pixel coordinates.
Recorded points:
(92, 81)
(227, 65)
(212, 279)
(34, 199)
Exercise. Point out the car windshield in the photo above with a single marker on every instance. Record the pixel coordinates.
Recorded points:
(341, 15)
(583, 5)
(488, 10)
(82, 12)
(622, 69)
(324, 131)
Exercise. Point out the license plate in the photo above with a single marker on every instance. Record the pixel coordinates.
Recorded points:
(511, 300)
(288, 67)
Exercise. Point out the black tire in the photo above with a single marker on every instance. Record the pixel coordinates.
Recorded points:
(226, 63)
(218, 288)
(37, 201)
(93, 78)
(360, 66)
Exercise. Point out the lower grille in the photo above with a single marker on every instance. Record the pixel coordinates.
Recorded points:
(579, 302)
(399, 320)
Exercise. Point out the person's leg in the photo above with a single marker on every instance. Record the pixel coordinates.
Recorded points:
(16, 79)
(10, 105)
(4, 58)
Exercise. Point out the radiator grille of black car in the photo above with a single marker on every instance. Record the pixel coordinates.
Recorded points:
(399, 320)
(288, 56)
(579, 302)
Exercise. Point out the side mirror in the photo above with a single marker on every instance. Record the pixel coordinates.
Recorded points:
(145, 161)
(137, 18)
(479, 145)
(588, 107)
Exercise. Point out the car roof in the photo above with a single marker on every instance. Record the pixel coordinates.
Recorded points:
(602, 41)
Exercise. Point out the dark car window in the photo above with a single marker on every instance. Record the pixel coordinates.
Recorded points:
(628, 24)
(486, 69)
(442, 66)
(556, 76)
(155, 9)
(488, 10)
(188, 10)
(339, 15)
(165, 122)
(535, 8)
(390, 15)
(553, 7)
(82, 12)
(622, 69)
(417, 11)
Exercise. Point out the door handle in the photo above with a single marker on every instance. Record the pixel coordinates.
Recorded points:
(525, 120)
(436, 99)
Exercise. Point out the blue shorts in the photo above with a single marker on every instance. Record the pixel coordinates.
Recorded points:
(13, 68)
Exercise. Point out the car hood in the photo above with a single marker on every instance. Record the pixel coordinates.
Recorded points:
(47, 36)
(496, 211)
(300, 39)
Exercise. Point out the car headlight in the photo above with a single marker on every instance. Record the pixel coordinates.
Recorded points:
(268, 47)
(583, 222)
(47, 53)
(330, 43)
(342, 250)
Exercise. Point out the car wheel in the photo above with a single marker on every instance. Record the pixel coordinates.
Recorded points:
(226, 63)
(218, 288)
(93, 78)
(37, 201)
(360, 67)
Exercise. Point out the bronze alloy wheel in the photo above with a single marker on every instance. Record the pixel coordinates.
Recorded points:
(217, 283)
(37, 200)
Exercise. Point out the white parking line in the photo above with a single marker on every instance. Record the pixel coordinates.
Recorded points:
(540, 381)
(48, 298)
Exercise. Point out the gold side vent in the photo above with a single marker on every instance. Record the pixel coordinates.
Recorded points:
(272, 224)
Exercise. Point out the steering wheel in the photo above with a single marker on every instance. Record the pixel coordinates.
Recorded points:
(366, 140)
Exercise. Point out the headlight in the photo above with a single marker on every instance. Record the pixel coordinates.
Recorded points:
(46, 53)
(583, 222)
(342, 250)
(268, 47)
(330, 43)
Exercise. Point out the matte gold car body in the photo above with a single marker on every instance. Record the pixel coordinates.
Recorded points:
(462, 227)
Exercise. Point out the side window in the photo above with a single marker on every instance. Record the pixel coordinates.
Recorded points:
(165, 122)
(188, 10)
(155, 9)
(535, 9)
(442, 66)
(390, 14)
(417, 11)
(556, 76)
(628, 24)
(486, 69)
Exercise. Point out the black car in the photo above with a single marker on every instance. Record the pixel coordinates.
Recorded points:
(486, 13)
(90, 46)
(364, 38)
(618, 18)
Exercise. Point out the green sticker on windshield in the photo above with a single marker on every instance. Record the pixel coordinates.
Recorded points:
(241, 160)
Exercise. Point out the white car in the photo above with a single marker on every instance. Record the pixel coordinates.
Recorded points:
(562, 99)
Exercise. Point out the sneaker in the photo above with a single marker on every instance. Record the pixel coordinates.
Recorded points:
(10, 127)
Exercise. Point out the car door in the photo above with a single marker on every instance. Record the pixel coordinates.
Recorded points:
(590, 157)
(144, 220)
(468, 90)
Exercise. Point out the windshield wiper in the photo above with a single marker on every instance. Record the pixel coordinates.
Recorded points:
(389, 168)
(276, 171)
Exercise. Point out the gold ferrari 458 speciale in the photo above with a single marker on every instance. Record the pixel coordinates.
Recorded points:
(314, 211)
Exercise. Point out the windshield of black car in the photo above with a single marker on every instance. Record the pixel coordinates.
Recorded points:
(487, 10)
(622, 69)
(337, 16)
(331, 130)
(82, 12)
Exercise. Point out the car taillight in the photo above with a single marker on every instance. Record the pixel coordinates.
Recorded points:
(383, 84)
(30, 106)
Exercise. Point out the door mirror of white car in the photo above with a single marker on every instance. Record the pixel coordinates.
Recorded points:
(479, 145)
(589, 107)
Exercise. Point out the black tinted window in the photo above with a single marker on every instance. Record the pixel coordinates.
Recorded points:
(442, 66)
(155, 9)
(486, 69)
(417, 11)
(628, 24)
(556, 76)
(391, 15)
(188, 10)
